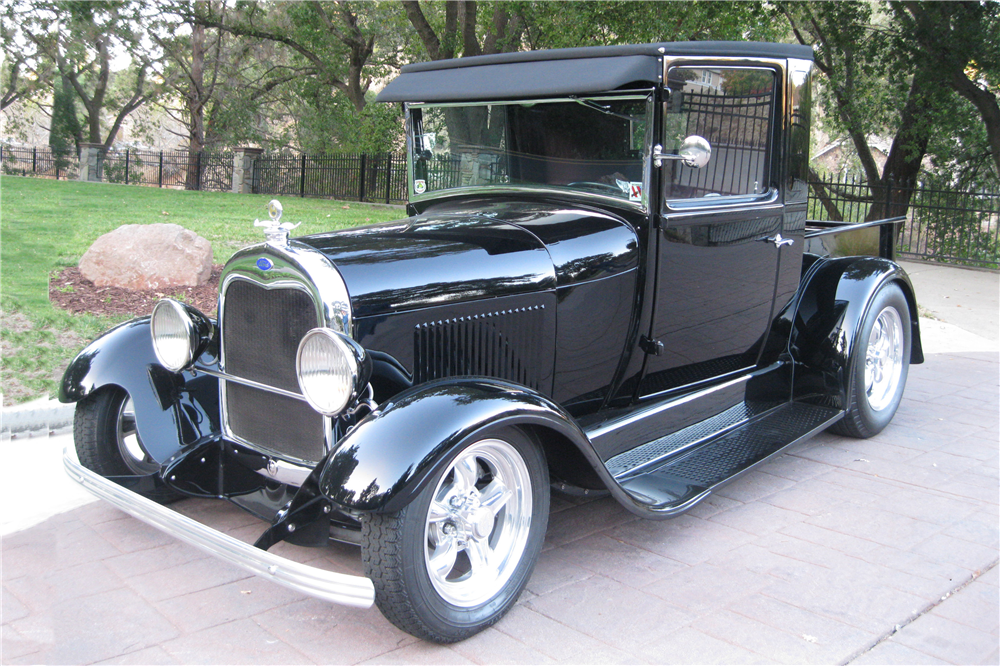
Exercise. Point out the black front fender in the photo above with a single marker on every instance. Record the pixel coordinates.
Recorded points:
(172, 410)
(388, 458)
(830, 309)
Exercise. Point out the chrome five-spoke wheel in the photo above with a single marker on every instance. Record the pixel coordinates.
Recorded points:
(879, 365)
(884, 359)
(455, 559)
(478, 523)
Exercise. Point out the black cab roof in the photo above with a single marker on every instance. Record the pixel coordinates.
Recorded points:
(586, 70)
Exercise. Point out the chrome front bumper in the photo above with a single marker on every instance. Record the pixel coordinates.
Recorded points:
(337, 588)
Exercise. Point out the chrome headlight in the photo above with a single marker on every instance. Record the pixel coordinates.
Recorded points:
(179, 334)
(331, 369)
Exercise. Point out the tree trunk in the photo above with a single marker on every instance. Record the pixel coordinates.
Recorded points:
(96, 102)
(196, 106)
(986, 104)
(905, 157)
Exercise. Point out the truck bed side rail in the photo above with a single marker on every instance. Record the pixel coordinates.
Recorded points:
(886, 236)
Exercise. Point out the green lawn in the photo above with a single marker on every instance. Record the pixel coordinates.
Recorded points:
(46, 225)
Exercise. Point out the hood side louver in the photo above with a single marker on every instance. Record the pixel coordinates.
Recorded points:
(505, 344)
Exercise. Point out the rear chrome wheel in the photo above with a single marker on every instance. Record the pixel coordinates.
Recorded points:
(884, 359)
(476, 530)
(880, 366)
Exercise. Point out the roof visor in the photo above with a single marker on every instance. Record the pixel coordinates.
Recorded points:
(586, 70)
(519, 80)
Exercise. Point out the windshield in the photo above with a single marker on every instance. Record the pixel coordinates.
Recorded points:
(595, 145)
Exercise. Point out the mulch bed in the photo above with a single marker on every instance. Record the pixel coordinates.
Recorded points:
(69, 290)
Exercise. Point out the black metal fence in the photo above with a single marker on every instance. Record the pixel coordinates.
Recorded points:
(37, 162)
(445, 171)
(363, 177)
(168, 168)
(954, 227)
(946, 225)
(156, 168)
(376, 177)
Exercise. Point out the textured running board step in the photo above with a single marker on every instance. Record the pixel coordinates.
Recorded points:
(684, 479)
(638, 460)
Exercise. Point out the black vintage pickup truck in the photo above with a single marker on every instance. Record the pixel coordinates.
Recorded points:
(607, 284)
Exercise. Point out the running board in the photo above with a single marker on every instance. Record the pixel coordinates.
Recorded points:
(684, 478)
(653, 454)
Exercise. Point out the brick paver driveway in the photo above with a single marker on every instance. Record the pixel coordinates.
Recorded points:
(816, 556)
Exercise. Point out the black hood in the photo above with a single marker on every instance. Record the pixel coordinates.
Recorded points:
(424, 261)
(475, 250)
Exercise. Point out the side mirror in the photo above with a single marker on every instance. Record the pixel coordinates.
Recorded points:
(695, 152)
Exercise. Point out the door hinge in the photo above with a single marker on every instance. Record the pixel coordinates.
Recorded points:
(651, 347)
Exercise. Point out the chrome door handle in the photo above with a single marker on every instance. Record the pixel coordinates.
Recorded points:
(779, 241)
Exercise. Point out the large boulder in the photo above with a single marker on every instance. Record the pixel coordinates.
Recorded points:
(148, 256)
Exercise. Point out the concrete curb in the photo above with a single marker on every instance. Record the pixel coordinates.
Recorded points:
(37, 415)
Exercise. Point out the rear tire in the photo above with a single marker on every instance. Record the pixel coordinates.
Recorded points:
(454, 561)
(880, 366)
(107, 441)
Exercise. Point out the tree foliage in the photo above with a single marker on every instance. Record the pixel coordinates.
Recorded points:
(342, 45)
(65, 130)
(962, 39)
(465, 28)
(569, 24)
(76, 42)
(302, 74)
(202, 70)
(312, 66)
(886, 73)
(25, 72)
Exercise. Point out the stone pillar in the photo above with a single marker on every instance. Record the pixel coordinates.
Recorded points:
(243, 169)
(89, 157)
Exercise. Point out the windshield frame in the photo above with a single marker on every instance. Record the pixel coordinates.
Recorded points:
(642, 94)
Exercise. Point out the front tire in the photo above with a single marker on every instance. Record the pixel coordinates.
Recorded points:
(881, 365)
(455, 560)
(107, 441)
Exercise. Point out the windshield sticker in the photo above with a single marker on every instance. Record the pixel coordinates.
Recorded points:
(635, 191)
(420, 186)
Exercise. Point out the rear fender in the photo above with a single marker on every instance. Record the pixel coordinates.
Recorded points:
(388, 458)
(828, 318)
(172, 410)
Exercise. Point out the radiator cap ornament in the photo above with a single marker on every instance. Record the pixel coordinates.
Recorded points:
(275, 231)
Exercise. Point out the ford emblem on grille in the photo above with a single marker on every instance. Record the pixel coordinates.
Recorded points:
(264, 264)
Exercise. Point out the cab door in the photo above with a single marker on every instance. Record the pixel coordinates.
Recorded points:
(718, 236)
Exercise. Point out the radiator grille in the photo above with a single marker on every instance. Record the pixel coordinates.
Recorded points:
(261, 330)
(280, 424)
(503, 344)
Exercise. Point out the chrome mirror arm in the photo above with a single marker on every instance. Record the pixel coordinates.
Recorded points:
(659, 156)
(694, 152)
